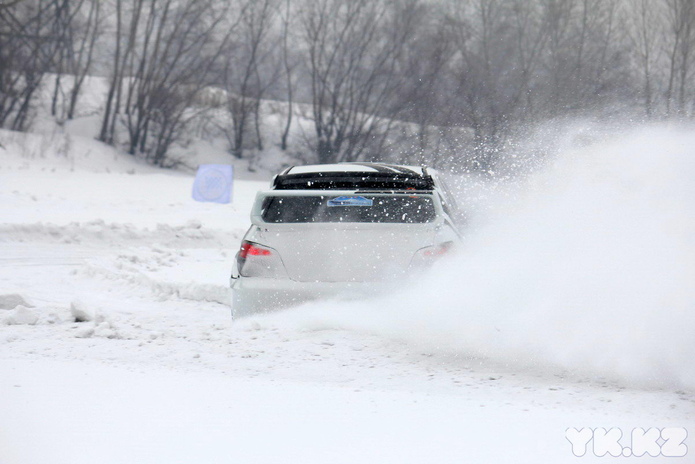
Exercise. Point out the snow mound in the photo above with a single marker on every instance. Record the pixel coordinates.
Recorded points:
(12, 300)
(21, 315)
(80, 312)
(101, 330)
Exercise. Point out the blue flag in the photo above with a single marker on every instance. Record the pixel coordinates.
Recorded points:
(213, 183)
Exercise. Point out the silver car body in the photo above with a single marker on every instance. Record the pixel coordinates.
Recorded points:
(306, 243)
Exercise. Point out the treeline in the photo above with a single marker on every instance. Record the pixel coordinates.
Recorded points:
(456, 79)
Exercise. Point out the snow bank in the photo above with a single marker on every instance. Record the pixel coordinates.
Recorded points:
(162, 290)
(588, 267)
(100, 232)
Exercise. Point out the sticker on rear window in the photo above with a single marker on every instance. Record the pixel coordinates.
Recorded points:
(350, 201)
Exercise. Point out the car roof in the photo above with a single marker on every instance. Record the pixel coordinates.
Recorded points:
(354, 176)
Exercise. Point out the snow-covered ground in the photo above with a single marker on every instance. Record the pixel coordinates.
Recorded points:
(572, 305)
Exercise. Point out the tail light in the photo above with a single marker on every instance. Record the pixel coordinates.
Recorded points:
(427, 256)
(255, 260)
(253, 249)
(437, 250)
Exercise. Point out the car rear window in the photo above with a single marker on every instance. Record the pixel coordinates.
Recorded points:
(407, 209)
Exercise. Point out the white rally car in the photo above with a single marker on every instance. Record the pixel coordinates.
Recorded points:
(340, 229)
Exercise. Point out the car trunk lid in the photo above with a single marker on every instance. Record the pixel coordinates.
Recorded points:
(346, 252)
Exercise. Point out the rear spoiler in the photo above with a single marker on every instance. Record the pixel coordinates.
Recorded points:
(352, 181)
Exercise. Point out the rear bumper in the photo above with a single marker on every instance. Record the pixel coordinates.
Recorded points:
(254, 295)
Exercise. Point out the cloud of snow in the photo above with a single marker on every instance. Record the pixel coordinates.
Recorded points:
(587, 267)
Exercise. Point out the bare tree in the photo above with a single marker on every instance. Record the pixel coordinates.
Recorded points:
(161, 66)
(76, 26)
(681, 36)
(123, 50)
(354, 48)
(288, 68)
(419, 98)
(242, 77)
(492, 79)
(83, 42)
(645, 40)
(27, 50)
(583, 53)
(64, 13)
